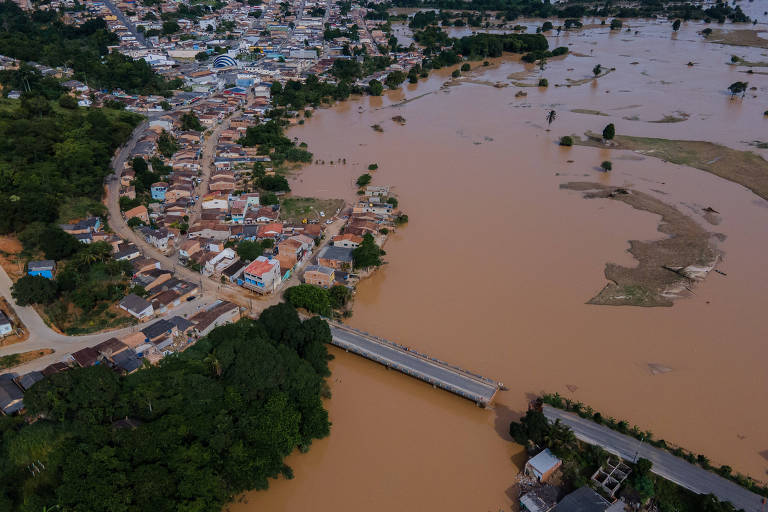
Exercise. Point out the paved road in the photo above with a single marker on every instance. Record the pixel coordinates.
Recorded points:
(127, 23)
(440, 375)
(665, 464)
(41, 336)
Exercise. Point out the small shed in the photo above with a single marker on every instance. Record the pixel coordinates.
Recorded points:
(542, 465)
(44, 268)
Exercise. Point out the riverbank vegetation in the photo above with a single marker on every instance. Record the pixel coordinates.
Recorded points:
(644, 489)
(188, 434)
(322, 301)
(584, 411)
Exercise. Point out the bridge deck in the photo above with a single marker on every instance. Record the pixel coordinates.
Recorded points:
(438, 373)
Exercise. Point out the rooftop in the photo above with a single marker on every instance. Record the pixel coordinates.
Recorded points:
(260, 266)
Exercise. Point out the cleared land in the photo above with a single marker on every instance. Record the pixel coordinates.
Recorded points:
(743, 167)
(666, 267)
(296, 209)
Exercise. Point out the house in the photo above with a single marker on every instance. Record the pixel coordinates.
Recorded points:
(338, 258)
(270, 230)
(289, 252)
(86, 357)
(542, 466)
(43, 268)
(127, 252)
(539, 499)
(137, 307)
(140, 212)
(182, 325)
(188, 248)
(88, 225)
(150, 279)
(218, 313)
(347, 240)
(28, 380)
(5, 325)
(160, 238)
(158, 330)
(11, 396)
(126, 361)
(109, 348)
(262, 275)
(158, 190)
(319, 276)
(583, 499)
(140, 265)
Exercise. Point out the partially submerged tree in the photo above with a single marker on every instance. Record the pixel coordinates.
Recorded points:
(551, 116)
(609, 132)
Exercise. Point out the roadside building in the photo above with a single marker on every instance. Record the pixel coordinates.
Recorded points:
(542, 465)
(11, 396)
(44, 268)
(218, 313)
(338, 258)
(320, 276)
(583, 499)
(137, 307)
(140, 212)
(262, 275)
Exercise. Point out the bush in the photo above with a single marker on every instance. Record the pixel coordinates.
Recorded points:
(616, 24)
(339, 296)
(67, 101)
(375, 88)
(465, 67)
(373, 167)
(543, 82)
(609, 132)
(547, 26)
(566, 140)
(606, 166)
(456, 73)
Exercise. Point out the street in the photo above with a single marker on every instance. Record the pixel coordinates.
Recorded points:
(666, 465)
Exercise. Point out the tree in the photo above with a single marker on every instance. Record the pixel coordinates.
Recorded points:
(367, 254)
(375, 88)
(566, 140)
(57, 244)
(249, 250)
(67, 101)
(465, 67)
(616, 24)
(190, 122)
(274, 183)
(339, 296)
(551, 116)
(547, 26)
(606, 165)
(170, 27)
(268, 198)
(310, 297)
(363, 180)
(373, 167)
(135, 222)
(456, 73)
(676, 25)
(394, 79)
(543, 82)
(34, 290)
(609, 132)
(738, 88)
(597, 69)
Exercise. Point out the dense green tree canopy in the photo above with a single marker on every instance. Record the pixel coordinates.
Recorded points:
(310, 297)
(34, 290)
(367, 254)
(213, 421)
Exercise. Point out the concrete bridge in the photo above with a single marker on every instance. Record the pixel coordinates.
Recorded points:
(440, 374)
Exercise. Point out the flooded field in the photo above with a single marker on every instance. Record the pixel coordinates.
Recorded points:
(494, 270)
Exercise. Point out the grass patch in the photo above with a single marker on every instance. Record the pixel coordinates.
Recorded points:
(74, 208)
(13, 360)
(590, 112)
(296, 209)
(743, 167)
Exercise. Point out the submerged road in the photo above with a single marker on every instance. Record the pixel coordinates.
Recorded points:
(666, 465)
(450, 378)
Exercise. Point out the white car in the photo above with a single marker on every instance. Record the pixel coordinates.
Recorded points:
(329, 221)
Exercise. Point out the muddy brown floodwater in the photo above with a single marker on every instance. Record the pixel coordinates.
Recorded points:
(496, 265)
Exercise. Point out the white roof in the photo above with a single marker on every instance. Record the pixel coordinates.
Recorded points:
(543, 462)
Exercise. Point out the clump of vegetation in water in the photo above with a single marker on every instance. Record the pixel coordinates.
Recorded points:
(399, 119)
(738, 88)
(373, 167)
(566, 140)
(606, 165)
(543, 82)
(465, 67)
(401, 219)
(377, 128)
(616, 24)
(363, 180)
(456, 73)
(609, 132)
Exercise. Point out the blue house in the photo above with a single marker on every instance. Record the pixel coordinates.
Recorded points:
(158, 190)
(44, 268)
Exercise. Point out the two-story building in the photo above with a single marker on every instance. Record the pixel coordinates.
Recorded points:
(319, 276)
(262, 275)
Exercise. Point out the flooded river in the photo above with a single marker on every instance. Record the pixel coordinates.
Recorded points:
(494, 269)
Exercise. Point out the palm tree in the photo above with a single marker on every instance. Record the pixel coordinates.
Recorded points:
(551, 116)
(214, 363)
